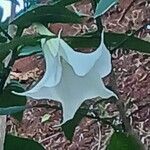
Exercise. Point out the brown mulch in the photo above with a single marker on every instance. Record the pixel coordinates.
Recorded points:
(132, 71)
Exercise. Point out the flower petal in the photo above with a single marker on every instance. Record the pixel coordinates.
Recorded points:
(72, 90)
(53, 43)
(103, 64)
(87, 60)
(82, 63)
(52, 74)
(53, 46)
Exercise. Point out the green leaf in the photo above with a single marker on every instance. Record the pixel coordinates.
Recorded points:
(7, 99)
(46, 14)
(132, 43)
(111, 41)
(3, 53)
(103, 6)
(14, 143)
(69, 126)
(16, 42)
(2, 39)
(90, 41)
(122, 141)
(4, 25)
(11, 110)
(65, 2)
(29, 50)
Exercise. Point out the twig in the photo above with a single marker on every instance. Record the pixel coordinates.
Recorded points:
(99, 137)
(103, 121)
(120, 105)
(122, 110)
(139, 108)
(49, 137)
(98, 144)
(126, 10)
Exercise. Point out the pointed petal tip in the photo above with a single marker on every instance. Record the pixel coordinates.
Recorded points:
(17, 93)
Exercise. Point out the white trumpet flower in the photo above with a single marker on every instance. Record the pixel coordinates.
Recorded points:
(71, 77)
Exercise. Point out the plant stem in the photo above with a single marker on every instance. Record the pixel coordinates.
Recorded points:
(122, 110)
(120, 105)
(98, 19)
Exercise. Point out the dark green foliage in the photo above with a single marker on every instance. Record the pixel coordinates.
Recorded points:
(69, 126)
(19, 41)
(2, 39)
(29, 50)
(46, 14)
(7, 99)
(112, 40)
(65, 2)
(123, 141)
(17, 143)
(90, 41)
(11, 110)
